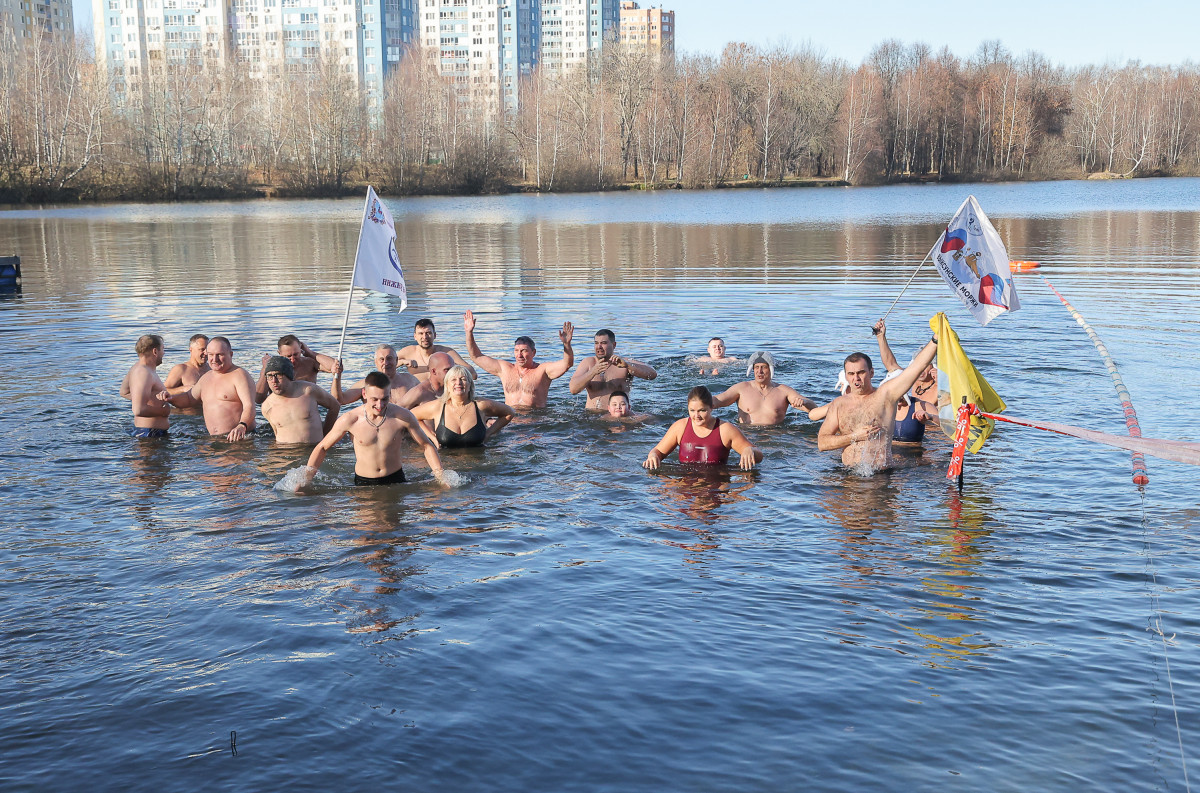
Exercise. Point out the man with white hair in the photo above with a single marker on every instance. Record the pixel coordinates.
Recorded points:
(762, 401)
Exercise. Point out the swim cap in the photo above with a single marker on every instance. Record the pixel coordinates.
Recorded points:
(843, 385)
(277, 363)
(760, 357)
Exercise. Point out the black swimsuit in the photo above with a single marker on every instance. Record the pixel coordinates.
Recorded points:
(457, 440)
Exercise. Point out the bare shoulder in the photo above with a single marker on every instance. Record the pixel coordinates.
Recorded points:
(404, 414)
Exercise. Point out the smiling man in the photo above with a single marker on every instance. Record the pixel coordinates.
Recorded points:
(416, 356)
(226, 394)
(605, 372)
(526, 384)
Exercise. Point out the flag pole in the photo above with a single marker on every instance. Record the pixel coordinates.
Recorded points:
(910, 280)
(353, 272)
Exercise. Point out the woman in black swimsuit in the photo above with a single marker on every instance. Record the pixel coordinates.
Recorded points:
(461, 418)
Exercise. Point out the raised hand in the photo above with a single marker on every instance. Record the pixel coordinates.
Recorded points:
(880, 328)
(566, 334)
(469, 322)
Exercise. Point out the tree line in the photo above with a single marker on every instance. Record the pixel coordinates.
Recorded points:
(751, 115)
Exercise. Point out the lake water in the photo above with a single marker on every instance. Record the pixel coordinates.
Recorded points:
(564, 620)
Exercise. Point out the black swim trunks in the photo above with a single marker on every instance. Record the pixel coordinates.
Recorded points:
(390, 479)
(148, 432)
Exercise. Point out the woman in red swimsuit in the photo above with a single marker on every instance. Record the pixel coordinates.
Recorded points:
(702, 438)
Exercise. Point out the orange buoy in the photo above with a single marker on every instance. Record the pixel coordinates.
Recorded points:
(1017, 267)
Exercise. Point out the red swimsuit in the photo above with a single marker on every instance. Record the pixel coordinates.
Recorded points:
(704, 451)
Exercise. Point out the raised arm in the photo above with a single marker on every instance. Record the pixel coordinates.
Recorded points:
(261, 389)
(458, 359)
(501, 411)
(666, 445)
(344, 396)
(324, 362)
(728, 397)
(890, 364)
(898, 386)
(748, 455)
(331, 405)
(561, 367)
(486, 363)
(589, 367)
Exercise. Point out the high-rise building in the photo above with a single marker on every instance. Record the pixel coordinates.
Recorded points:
(574, 32)
(649, 29)
(25, 19)
(484, 47)
(289, 35)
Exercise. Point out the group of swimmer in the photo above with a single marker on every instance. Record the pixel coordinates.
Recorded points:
(426, 392)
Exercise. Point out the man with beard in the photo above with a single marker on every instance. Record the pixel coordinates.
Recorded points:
(416, 356)
(225, 392)
(142, 387)
(605, 372)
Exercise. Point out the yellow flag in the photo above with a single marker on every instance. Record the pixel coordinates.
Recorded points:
(965, 380)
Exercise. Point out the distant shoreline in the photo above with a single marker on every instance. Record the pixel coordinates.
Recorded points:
(359, 189)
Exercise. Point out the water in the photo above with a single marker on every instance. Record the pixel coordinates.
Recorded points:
(562, 619)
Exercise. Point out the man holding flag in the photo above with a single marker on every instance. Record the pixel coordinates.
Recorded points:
(861, 422)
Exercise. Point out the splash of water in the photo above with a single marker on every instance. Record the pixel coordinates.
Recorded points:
(295, 479)
(452, 478)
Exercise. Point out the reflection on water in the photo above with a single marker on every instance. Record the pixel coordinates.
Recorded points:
(564, 614)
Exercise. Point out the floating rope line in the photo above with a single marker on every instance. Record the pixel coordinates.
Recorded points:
(1141, 477)
(1156, 627)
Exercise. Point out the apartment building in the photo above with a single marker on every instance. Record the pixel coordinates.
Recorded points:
(483, 47)
(649, 29)
(25, 19)
(574, 32)
(133, 36)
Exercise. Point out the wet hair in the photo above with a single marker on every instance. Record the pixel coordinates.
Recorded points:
(425, 322)
(221, 340)
(716, 338)
(606, 332)
(151, 341)
(196, 338)
(858, 356)
(288, 339)
(701, 393)
(617, 394)
(528, 342)
(458, 370)
(377, 380)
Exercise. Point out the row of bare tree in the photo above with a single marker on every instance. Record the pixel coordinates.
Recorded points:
(200, 128)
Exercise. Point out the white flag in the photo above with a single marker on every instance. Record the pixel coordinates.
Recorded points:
(377, 265)
(971, 258)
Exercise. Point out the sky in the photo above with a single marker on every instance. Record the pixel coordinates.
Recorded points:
(1068, 32)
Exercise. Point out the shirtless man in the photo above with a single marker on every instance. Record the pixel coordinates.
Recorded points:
(716, 355)
(605, 372)
(861, 422)
(306, 363)
(377, 428)
(416, 356)
(193, 369)
(142, 387)
(385, 361)
(226, 392)
(761, 401)
(291, 407)
(431, 389)
(526, 384)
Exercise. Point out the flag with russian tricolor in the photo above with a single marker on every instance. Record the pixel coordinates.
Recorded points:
(972, 260)
(377, 264)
